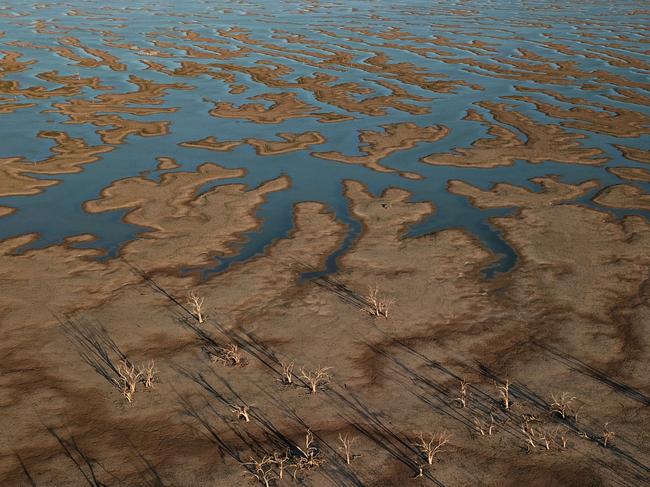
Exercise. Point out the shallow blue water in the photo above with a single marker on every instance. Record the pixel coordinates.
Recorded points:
(507, 26)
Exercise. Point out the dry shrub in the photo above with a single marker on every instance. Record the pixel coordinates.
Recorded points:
(128, 379)
(608, 435)
(463, 393)
(504, 392)
(280, 459)
(310, 456)
(230, 356)
(287, 373)
(377, 306)
(242, 412)
(149, 374)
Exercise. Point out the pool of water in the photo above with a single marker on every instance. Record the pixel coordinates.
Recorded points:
(597, 36)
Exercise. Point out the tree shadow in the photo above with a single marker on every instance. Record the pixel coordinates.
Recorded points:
(585, 369)
(95, 346)
(25, 470)
(85, 464)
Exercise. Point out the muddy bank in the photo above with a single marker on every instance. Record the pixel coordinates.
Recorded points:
(557, 323)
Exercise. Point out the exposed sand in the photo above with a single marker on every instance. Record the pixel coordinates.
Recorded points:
(632, 173)
(635, 154)
(291, 143)
(4, 211)
(211, 143)
(624, 196)
(70, 154)
(573, 316)
(379, 145)
(504, 147)
(285, 106)
(502, 194)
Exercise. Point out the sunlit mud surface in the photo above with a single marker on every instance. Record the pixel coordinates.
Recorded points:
(487, 163)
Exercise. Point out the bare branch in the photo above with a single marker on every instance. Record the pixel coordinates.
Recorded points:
(346, 446)
(431, 446)
(315, 378)
(196, 305)
(377, 306)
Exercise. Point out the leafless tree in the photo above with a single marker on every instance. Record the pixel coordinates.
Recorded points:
(504, 392)
(128, 379)
(242, 412)
(431, 446)
(230, 356)
(377, 306)
(346, 446)
(484, 427)
(608, 435)
(262, 469)
(149, 374)
(463, 393)
(562, 404)
(287, 373)
(315, 378)
(196, 305)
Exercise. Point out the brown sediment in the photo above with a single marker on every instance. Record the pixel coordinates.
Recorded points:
(69, 155)
(603, 119)
(543, 143)
(623, 196)
(553, 192)
(632, 173)
(379, 63)
(285, 106)
(573, 315)
(291, 143)
(179, 218)
(122, 128)
(237, 89)
(106, 59)
(630, 96)
(211, 143)
(167, 163)
(379, 145)
(390, 374)
(7, 107)
(81, 111)
(10, 63)
(611, 57)
(94, 82)
(190, 69)
(634, 154)
(6, 211)
(543, 70)
(205, 52)
(72, 85)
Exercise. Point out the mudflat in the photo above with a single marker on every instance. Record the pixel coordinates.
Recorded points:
(244, 244)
